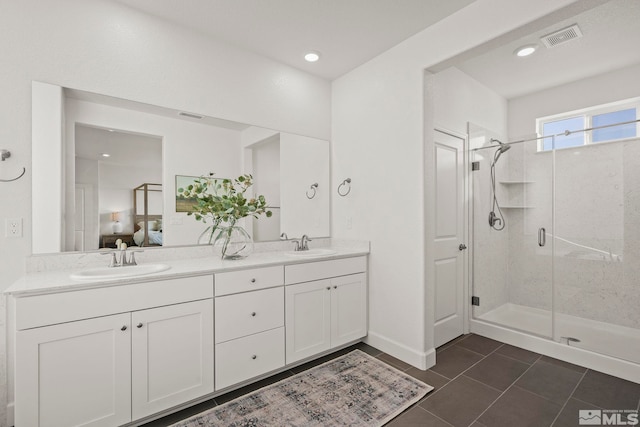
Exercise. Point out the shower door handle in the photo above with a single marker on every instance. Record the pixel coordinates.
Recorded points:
(542, 236)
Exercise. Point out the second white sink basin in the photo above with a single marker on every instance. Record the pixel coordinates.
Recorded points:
(103, 273)
(312, 252)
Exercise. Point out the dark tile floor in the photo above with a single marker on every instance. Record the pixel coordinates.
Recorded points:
(480, 382)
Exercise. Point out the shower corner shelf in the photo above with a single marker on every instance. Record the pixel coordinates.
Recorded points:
(516, 182)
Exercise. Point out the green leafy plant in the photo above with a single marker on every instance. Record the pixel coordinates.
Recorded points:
(223, 200)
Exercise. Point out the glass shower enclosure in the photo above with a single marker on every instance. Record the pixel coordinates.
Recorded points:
(566, 264)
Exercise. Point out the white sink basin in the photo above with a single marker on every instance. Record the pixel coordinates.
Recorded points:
(103, 273)
(311, 253)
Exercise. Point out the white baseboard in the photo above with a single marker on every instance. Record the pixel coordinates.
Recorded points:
(419, 359)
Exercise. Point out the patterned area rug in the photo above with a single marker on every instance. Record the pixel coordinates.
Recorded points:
(352, 390)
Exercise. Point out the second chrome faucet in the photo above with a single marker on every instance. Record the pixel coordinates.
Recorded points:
(303, 244)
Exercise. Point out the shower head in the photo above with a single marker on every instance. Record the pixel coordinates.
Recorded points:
(501, 149)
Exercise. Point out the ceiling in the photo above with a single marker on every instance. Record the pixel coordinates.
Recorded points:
(611, 40)
(347, 33)
(125, 149)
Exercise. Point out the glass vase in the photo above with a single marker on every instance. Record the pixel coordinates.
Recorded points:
(229, 242)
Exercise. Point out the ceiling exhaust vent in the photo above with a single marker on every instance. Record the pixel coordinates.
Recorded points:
(562, 36)
(190, 115)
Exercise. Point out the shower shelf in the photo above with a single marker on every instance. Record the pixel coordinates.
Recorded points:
(516, 182)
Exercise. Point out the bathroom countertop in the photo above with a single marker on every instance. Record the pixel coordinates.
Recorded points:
(59, 280)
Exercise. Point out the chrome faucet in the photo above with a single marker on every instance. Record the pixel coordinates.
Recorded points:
(122, 260)
(304, 242)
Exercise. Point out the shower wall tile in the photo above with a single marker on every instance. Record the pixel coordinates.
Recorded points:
(597, 205)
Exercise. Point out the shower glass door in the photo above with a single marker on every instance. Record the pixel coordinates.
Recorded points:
(512, 261)
(597, 246)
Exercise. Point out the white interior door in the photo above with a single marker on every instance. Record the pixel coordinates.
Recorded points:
(449, 241)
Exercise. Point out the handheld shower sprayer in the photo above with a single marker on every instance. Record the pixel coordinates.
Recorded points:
(496, 221)
(501, 149)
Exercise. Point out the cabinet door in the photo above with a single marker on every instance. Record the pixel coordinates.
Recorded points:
(172, 355)
(308, 319)
(348, 308)
(74, 374)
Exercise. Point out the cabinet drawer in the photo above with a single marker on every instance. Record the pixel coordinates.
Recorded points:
(307, 272)
(248, 357)
(248, 280)
(248, 313)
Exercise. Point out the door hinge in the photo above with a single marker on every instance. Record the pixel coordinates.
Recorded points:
(475, 166)
(475, 301)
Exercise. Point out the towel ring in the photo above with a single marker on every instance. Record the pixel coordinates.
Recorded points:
(313, 188)
(5, 154)
(347, 183)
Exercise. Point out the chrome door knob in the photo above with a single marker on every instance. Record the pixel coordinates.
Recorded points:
(462, 247)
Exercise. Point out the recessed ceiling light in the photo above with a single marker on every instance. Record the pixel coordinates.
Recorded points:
(525, 50)
(105, 155)
(312, 56)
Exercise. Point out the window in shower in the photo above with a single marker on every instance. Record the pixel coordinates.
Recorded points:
(602, 115)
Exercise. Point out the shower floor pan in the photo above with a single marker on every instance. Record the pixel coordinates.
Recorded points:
(604, 338)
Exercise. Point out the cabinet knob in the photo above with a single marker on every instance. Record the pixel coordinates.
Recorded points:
(139, 325)
(254, 357)
(253, 280)
(335, 287)
(124, 328)
(253, 314)
(328, 288)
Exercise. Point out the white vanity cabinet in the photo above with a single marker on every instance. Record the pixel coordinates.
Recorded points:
(113, 354)
(249, 324)
(74, 374)
(72, 370)
(171, 356)
(326, 306)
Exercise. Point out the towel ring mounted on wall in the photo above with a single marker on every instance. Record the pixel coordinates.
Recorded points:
(313, 188)
(345, 183)
(5, 154)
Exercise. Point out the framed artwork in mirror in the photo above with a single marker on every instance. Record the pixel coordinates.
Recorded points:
(184, 204)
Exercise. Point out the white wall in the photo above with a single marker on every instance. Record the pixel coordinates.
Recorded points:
(458, 99)
(266, 174)
(378, 140)
(304, 161)
(105, 47)
(601, 89)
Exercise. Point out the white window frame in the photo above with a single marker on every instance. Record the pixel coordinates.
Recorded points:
(587, 115)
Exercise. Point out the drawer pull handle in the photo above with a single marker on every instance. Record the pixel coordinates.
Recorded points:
(139, 325)
(124, 328)
(253, 280)
(254, 357)
(253, 314)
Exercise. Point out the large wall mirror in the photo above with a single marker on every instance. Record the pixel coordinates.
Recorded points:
(120, 162)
